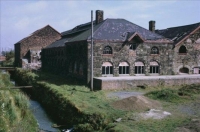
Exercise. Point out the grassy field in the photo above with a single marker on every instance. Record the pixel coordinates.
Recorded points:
(14, 112)
(182, 102)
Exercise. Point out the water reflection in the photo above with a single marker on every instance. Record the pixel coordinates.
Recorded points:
(41, 117)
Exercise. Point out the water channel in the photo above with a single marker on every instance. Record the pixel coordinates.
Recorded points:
(44, 122)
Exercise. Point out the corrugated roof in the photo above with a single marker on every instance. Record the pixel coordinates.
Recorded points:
(178, 33)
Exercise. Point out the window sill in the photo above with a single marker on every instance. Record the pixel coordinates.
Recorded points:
(107, 75)
(124, 75)
(107, 54)
(182, 53)
(154, 54)
(154, 74)
(139, 74)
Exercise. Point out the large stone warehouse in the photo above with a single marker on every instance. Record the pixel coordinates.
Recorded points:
(122, 48)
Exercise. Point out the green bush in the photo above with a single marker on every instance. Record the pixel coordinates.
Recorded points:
(164, 94)
(190, 89)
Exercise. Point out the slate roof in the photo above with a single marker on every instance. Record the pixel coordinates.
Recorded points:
(58, 43)
(178, 33)
(69, 34)
(79, 28)
(109, 29)
(116, 30)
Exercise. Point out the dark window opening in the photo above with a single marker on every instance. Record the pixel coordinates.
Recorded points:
(123, 69)
(133, 46)
(154, 69)
(107, 50)
(139, 69)
(154, 50)
(184, 70)
(182, 49)
(107, 70)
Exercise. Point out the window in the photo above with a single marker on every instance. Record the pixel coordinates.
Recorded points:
(154, 50)
(107, 50)
(81, 69)
(184, 70)
(154, 67)
(123, 68)
(196, 70)
(133, 46)
(139, 67)
(182, 50)
(107, 68)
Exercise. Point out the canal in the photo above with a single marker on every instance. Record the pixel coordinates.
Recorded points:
(43, 121)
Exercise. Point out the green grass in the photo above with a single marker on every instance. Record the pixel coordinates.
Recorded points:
(175, 95)
(98, 111)
(15, 115)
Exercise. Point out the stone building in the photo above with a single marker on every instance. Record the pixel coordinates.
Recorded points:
(186, 50)
(54, 56)
(121, 48)
(27, 50)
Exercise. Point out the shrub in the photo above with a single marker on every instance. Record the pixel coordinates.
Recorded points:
(164, 94)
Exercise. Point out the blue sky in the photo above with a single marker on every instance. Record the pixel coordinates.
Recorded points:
(19, 18)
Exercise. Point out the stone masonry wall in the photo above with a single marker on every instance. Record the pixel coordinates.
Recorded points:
(122, 53)
(192, 58)
(38, 40)
(145, 82)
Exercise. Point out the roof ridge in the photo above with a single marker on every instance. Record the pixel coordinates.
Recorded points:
(35, 32)
(145, 29)
(181, 26)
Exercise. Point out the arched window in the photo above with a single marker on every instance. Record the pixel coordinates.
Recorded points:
(107, 68)
(139, 67)
(123, 68)
(182, 50)
(154, 50)
(154, 67)
(133, 46)
(107, 50)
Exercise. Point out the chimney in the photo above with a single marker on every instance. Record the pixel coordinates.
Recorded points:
(152, 26)
(99, 16)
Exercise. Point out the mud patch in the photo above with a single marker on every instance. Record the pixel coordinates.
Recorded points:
(154, 114)
(138, 103)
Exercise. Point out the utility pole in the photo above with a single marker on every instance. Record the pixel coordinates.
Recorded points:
(92, 50)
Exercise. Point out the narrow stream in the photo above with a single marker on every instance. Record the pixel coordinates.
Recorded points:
(40, 115)
(43, 121)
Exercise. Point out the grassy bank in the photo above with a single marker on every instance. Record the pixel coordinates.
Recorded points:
(15, 115)
(71, 104)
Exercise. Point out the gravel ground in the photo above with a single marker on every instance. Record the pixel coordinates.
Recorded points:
(122, 94)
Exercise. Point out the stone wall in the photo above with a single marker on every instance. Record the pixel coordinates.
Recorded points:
(38, 40)
(122, 53)
(191, 58)
(116, 83)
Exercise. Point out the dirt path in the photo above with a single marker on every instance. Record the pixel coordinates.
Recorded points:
(123, 94)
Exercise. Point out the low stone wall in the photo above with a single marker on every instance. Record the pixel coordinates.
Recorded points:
(146, 81)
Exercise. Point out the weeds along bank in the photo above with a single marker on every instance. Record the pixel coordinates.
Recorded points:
(70, 105)
(15, 115)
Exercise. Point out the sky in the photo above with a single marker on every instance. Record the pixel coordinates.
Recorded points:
(20, 18)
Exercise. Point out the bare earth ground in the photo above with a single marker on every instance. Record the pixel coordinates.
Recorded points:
(136, 101)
